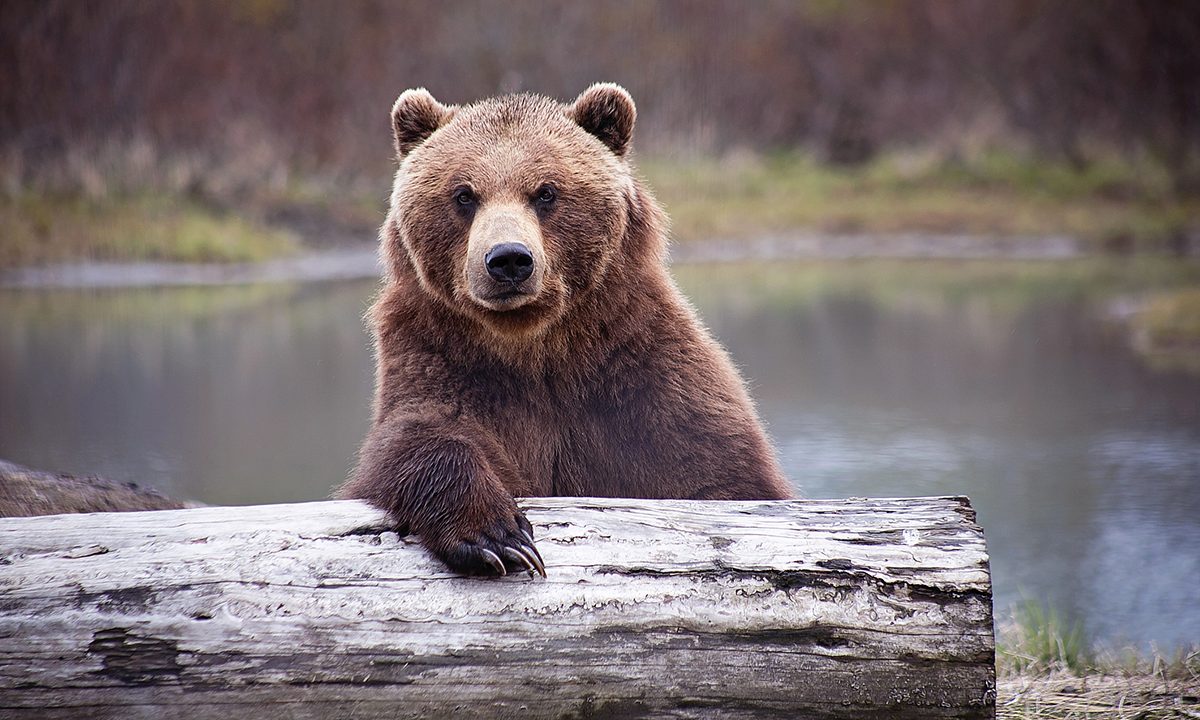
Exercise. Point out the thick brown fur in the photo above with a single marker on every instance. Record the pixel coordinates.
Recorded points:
(592, 378)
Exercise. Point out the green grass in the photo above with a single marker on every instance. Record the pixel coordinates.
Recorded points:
(1114, 205)
(1041, 639)
(1046, 670)
(44, 229)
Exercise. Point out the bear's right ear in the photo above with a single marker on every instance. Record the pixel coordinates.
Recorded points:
(414, 118)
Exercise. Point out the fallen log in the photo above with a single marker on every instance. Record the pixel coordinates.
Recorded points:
(666, 608)
(25, 492)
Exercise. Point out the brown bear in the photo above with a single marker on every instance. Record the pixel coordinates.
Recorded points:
(529, 339)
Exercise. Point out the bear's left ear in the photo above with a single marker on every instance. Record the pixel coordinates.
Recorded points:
(606, 110)
(415, 116)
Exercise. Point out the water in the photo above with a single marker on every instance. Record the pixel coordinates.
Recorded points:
(1009, 383)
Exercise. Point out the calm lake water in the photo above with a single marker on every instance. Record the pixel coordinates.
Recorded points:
(1006, 382)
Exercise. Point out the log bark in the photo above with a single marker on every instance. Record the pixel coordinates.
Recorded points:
(656, 609)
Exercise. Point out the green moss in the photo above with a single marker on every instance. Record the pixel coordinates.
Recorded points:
(46, 229)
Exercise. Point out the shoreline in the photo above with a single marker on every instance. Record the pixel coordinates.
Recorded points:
(362, 262)
(311, 266)
(807, 245)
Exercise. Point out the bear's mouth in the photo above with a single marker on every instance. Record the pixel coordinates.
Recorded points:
(507, 294)
(506, 298)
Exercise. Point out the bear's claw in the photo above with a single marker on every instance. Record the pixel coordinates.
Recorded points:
(499, 556)
(529, 548)
(492, 559)
(535, 557)
(498, 551)
(520, 557)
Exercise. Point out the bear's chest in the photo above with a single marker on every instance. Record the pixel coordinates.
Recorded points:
(571, 441)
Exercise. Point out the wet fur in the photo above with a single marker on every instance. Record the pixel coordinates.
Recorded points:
(605, 385)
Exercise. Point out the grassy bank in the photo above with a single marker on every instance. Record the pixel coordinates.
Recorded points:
(1165, 329)
(1045, 669)
(39, 230)
(1114, 207)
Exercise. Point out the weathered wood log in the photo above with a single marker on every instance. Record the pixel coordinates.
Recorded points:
(799, 609)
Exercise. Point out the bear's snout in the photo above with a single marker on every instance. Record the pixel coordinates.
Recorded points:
(509, 263)
(506, 264)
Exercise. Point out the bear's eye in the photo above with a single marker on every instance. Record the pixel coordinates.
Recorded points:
(546, 195)
(464, 196)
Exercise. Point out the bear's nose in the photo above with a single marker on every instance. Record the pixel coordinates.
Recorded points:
(509, 262)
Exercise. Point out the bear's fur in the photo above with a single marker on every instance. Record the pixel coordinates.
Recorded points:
(592, 376)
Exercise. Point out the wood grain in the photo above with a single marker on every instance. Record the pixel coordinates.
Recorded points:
(664, 609)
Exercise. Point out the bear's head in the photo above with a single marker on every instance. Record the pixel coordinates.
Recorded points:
(507, 209)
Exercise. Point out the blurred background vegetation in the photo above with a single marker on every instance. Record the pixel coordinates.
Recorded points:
(264, 122)
(1062, 395)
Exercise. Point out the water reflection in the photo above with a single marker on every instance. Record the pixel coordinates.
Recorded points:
(1005, 383)
(1083, 461)
(226, 395)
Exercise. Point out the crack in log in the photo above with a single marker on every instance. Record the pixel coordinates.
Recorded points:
(796, 579)
(136, 659)
(127, 600)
